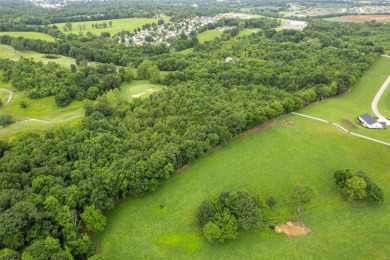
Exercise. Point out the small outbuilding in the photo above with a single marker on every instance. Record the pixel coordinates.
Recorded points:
(368, 121)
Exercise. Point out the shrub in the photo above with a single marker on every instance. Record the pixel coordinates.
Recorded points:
(6, 119)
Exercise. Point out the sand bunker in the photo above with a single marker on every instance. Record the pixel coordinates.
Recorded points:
(292, 229)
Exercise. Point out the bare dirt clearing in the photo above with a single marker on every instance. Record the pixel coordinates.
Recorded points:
(349, 124)
(292, 229)
(288, 123)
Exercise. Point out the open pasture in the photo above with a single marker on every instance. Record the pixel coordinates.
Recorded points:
(118, 25)
(288, 151)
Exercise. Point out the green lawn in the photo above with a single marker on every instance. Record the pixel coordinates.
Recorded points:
(117, 25)
(269, 162)
(139, 88)
(209, 35)
(30, 35)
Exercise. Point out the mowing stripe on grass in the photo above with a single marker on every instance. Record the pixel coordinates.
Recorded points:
(312, 117)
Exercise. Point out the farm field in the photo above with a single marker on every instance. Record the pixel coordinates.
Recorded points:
(360, 18)
(139, 88)
(30, 35)
(117, 25)
(288, 151)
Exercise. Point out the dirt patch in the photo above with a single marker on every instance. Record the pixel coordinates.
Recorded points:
(259, 128)
(349, 124)
(288, 123)
(293, 228)
(364, 18)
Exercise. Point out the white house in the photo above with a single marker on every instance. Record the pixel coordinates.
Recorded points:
(368, 121)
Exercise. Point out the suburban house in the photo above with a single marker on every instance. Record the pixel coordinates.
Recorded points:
(368, 121)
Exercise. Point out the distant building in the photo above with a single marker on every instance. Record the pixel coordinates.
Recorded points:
(368, 121)
(295, 25)
(228, 59)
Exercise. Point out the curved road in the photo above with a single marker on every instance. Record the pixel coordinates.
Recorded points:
(374, 104)
(11, 94)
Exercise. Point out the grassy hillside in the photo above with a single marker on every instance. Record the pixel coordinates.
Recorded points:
(291, 150)
(30, 35)
(117, 25)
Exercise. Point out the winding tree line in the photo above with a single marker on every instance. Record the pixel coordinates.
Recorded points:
(55, 185)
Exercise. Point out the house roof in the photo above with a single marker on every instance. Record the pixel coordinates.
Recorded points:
(368, 119)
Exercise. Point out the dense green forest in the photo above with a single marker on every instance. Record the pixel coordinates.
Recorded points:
(55, 187)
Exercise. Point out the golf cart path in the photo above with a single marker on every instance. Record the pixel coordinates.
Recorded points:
(11, 94)
(374, 104)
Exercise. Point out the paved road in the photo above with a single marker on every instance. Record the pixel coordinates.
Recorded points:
(11, 94)
(374, 104)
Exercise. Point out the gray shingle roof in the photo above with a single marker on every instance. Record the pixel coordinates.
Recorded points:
(368, 119)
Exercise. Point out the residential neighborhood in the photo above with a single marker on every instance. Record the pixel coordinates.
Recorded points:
(155, 34)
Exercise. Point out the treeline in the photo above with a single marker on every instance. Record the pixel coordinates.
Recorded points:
(38, 80)
(89, 47)
(30, 14)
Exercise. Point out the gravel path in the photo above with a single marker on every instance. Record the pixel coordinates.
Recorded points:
(11, 94)
(374, 104)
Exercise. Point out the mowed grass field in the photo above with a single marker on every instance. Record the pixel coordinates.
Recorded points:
(139, 89)
(41, 109)
(30, 35)
(293, 150)
(118, 25)
(8, 52)
(209, 35)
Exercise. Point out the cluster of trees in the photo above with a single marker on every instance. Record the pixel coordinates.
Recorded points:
(39, 80)
(357, 186)
(222, 217)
